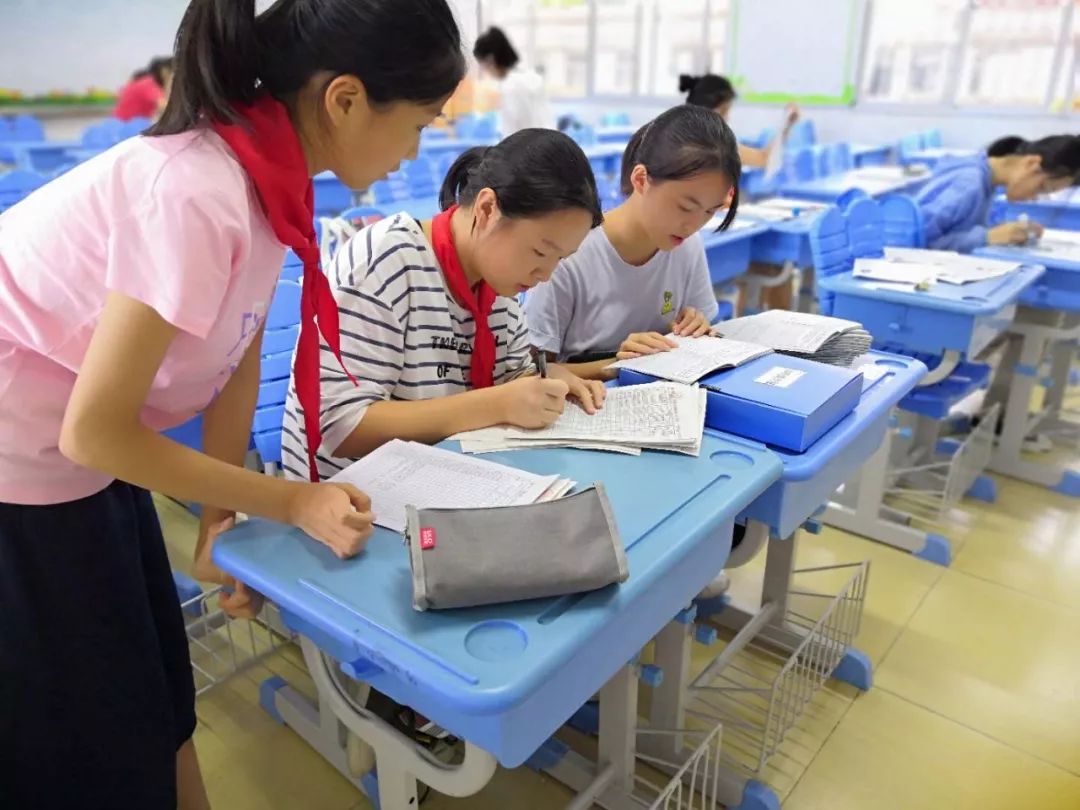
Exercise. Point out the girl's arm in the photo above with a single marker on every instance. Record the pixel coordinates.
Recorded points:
(226, 435)
(593, 370)
(102, 430)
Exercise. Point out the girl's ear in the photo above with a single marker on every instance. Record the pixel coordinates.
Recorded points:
(486, 211)
(639, 178)
(1031, 163)
(346, 96)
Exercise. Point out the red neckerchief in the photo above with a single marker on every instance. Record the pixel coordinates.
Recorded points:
(269, 151)
(478, 302)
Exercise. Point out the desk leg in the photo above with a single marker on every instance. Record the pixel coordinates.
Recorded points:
(870, 517)
(1007, 460)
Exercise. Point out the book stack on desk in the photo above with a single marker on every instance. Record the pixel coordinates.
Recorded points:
(833, 341)
(660, 416)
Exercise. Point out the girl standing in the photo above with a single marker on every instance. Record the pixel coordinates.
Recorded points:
(145, 308)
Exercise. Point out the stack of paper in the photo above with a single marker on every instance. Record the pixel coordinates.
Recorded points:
(402, 473)
(656, 416)
(1060, 244)
(694, 358)
(907, 273)
(814, 337)
(790, 204)
(949, 267)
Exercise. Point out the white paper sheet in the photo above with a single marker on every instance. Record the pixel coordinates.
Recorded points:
(694, 358)
(898, 272)
(790, 204)
(401, 473)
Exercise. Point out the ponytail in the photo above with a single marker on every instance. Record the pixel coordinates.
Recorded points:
(457, 177)
(688, 83)
(1009, 145)
(217, 65)
(533, 172)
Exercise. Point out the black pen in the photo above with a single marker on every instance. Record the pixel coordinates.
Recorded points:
(541, 363)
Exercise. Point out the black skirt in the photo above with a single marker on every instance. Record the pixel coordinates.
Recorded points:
(96, 689)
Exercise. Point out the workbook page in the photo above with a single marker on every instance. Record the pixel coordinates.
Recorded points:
(694, 358)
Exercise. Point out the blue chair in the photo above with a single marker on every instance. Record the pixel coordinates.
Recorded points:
(331, 195)
(583, 135)
(845, 200)
(420, 175)
(134, 127)
(802, 134)
(907, 146)
(866, 230)
(279, 340)
(615, 119)
(464, 125)
(838, 158)
(26, 128)
(16, 185)
(902, 221)
(283, 319)
(430, 135)
(362, 215)
(831, 251)
(103, 135)
(799, 165)
(486, 128)
(932, 139)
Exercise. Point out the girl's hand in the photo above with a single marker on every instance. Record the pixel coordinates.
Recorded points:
(589, 393)
(1009, 233)
(532, 402)
(791, 116)
(641, 343)
(691, 323)
(337, 515)
(241, 603)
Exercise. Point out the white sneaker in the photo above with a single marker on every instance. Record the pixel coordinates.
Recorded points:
(718, 587)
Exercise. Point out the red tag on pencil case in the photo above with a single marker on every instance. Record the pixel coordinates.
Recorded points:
(427, 539)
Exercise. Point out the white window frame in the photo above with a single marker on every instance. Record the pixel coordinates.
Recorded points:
(948, 104)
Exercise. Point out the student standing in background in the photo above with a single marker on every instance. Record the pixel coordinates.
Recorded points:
(144, 309)
(523, 103)
(147, 93)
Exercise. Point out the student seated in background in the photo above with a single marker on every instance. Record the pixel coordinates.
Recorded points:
(146, 94)
(955, 203)
(431, 330)
(718, 94)
(643, 274)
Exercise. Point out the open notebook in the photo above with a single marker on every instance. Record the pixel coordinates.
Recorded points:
(400, 474)
(694, 358)
(657, 416)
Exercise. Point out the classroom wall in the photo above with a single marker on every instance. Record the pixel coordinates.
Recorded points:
(861, 123)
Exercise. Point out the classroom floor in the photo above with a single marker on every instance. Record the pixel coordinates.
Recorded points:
(975, 703)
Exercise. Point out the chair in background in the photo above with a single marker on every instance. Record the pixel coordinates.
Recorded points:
(279, 340)
(831, 251)
(615, 119)
(932, 139)
(865, 228)
(802, 133)
(908, 146)
(845, 200)
(331, 195)
(16, 185)
(420, 175)
(902, 222)
(838, 158)
(134, 127)
(486, 128)
(799, 165)
(103, 135)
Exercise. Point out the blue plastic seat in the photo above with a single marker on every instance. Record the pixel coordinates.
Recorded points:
(902, 221)
(845, 200)
(134, 127)
(16, 185)
(331, 195)
(830, 249)
(932, 139)
(865, 229)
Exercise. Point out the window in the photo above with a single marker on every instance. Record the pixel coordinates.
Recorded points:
(909, 51)
(618, 68)
(1010, 52)
(1067, 81)
(678, 41)
(718, 32)
(562, 44)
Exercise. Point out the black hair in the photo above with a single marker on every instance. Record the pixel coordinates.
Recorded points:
(495, 44)
(532, 172)
(402, 50)
(709, 90)
(680, 143)
(157, 69)
(1060, 153)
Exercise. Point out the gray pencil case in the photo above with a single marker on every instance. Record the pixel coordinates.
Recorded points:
(470, 557)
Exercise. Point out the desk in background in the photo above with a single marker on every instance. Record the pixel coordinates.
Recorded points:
(865, 154)
(930, 156)
(1058, 210)
(1046, 329)
(876, 181)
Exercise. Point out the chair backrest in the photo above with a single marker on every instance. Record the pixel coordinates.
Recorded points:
(839, 157)
(932, 139)
(362, 215)
(331, 195)
(420, 175)
(845, 200)
(615, 119)
(799, 164)
(865, 229)
(285, 308)
(103, 134)
(16, 185)
(27, 128)
(909, 144)
(134, 127)
(830, 249)
(902, 222)
(802, 134)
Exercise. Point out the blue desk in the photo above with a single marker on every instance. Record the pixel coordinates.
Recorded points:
(605, 157)
(960, 317)
(865, 154)
(777, 620)
(1060, 210)
(502, 677)
(831, 187)
(452, 145)
(1046, 328)
(728, 252)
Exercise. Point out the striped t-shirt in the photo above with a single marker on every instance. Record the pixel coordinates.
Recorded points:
(403, 337)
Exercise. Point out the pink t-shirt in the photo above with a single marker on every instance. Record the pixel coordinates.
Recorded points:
(173, 222)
